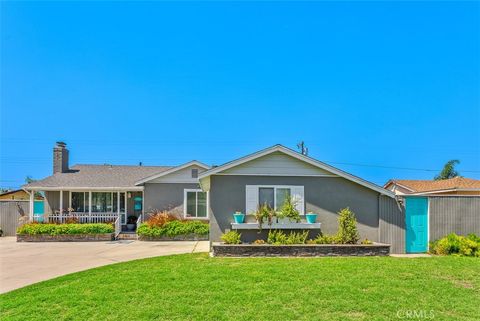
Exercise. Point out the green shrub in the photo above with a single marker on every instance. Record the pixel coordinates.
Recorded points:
(289, 210)
(454, 244)
(174, 228)
(232, 237)
(366, 242)
(325, 239)
(62, 229)
(278, 237)
(347, 227)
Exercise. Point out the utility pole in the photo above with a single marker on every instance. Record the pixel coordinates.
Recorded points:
(303, 149)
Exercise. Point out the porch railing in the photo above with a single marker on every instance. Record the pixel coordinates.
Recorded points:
(139, 220)
(118, 226)
(78, 217)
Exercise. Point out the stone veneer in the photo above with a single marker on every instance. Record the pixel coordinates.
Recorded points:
(189, 237)
(301, 250)
(65, 237)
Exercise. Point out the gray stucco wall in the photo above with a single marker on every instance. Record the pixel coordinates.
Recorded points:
(392, 224)
(454, 214)
(52, 201)
(323, 195)
(165, 196)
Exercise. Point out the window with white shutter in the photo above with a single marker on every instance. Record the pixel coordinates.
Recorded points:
(273, 195)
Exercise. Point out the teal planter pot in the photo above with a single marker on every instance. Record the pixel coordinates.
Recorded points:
(239, 218)
(311, 218)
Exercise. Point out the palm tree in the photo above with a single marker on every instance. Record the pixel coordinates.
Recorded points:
(448, 170)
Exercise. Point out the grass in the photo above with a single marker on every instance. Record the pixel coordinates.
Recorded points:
(197, 287)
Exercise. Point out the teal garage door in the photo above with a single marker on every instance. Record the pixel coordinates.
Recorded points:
(416, 220)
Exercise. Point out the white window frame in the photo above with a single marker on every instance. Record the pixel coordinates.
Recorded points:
(275, 187)
(196, 190)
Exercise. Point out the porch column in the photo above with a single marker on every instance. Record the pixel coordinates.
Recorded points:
(32, 204)
(143, 205)
(89, 205)
(126, 207)
(118, 205)
(61, 206)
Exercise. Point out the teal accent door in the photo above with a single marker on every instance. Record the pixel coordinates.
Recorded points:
(416, 221)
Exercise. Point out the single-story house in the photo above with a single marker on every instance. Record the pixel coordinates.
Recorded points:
(453, 186)
(435, 208)
(198, 191)
(104, 192)
(17, 195)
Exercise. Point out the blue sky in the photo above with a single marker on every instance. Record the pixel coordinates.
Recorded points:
(390, 84)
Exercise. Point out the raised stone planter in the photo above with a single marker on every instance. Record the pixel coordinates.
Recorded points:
(301, 250)
(189, 237)
(65, 237)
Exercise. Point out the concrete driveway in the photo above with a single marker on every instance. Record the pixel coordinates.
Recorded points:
(22, 264)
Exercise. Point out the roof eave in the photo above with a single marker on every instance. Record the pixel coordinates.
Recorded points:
(304, 158)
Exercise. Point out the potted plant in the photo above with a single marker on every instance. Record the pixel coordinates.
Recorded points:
(289, 211)
(264, 215)
(131, 222)
(311, 217)
(281, 218)
(239, 217)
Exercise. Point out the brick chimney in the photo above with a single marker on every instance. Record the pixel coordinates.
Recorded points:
(60, 158)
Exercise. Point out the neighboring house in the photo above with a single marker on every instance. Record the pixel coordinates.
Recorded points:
(105, 192)
(435, 208)
(17, 195)
(452, 186)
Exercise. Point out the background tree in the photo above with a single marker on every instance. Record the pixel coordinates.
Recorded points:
(448, 170)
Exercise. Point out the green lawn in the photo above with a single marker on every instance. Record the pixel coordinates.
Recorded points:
(197, 287)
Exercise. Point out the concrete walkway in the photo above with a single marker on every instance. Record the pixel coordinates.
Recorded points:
(22, 264)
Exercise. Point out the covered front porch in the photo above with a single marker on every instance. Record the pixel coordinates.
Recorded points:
(125, 208)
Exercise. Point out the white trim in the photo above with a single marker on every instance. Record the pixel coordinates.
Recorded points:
(428, 223)
(86, 189)
(395, 183)
(301, 175)
(173, 170)
(275, 187)
(61, 202)
(309, 160)
(197, 190)
(31, 205)
(446, 191)
(89, 203)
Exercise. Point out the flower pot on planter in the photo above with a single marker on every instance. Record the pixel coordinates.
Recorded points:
(311, 218)
(239, 218)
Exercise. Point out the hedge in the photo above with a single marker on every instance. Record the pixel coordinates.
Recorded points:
(62, 229)
(454, 244)
(174, 228)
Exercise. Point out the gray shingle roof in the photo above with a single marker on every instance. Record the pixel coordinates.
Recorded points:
(94, 176)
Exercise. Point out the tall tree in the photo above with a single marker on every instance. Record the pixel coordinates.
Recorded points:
(302, 148)
(448, 170)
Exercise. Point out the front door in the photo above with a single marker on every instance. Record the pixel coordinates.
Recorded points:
(416, 224)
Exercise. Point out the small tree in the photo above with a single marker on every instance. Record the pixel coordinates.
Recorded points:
(347, 227)
(448, 170)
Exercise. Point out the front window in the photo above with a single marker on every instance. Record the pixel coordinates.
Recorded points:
(102, 202)
(195, 204)
(274, 197)
(79, 202)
